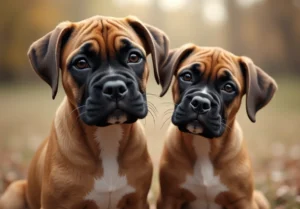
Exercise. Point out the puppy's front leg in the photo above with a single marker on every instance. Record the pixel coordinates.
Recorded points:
(260, 200)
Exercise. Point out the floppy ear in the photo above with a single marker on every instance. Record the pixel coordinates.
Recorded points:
(44, 55)
(155, 40)
(175, 58)
(260, 87)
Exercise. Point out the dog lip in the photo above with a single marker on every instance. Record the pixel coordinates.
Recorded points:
(117, 117)
(195, 127)
(117, 112)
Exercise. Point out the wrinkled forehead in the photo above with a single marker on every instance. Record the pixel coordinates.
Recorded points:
(213, 62)
(103, 36)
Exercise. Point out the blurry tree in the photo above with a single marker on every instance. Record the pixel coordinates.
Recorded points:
(267, 31)
(234, 26)
(286, 16)
(12, 12)
(24, 22)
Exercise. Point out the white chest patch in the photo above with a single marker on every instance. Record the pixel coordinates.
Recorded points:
(203, 183)
(111, 187)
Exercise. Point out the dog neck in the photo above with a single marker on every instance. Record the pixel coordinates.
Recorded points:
(80, 142)
(220, 150)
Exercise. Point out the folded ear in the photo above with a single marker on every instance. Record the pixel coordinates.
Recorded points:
(175, 58)
(155, 41)
(44, 55)
(260, 87)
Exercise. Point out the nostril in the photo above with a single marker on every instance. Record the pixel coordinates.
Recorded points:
(205, 106)
(194, 103)
(108, 90)
(122, 89)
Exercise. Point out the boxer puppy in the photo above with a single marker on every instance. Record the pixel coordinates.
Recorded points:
(95, 155)
(205, 163)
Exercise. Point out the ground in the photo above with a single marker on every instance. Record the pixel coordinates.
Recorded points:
(273, 141)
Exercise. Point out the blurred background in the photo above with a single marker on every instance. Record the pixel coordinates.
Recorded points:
(268, 31)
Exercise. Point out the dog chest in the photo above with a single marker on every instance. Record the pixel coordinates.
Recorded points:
(109, 189)
(203, 183)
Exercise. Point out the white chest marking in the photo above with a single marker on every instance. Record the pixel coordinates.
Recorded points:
(203, 183)
(111, 187)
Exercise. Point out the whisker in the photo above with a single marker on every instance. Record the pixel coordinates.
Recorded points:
(153, 108)
(77, 108)
(167, 114)
(226, 126)
(76, 120)
(152, 111)
(152, 116)
(169, 110)
(168, 119)
(151, 104)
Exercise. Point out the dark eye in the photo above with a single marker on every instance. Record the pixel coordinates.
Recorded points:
(81, 64)
(186, 76)
(229, 88)
(134, 57)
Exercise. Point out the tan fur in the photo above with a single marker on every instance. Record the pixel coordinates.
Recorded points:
(228, 153)
(67, 178)
(14, 196)
(64, 168)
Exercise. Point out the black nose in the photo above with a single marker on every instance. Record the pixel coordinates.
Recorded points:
(200, 104)
(115, 90)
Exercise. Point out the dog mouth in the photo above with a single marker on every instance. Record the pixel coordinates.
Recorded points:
(113, 113)
(208, 127)
(195, 127)
(117, 117)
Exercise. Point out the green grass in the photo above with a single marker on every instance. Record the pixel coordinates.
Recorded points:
(28, 110)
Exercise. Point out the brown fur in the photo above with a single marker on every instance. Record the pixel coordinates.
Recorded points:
(64, 167)
(228, 153)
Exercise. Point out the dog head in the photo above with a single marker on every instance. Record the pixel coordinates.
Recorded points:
(103, 66)
(209, 86)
